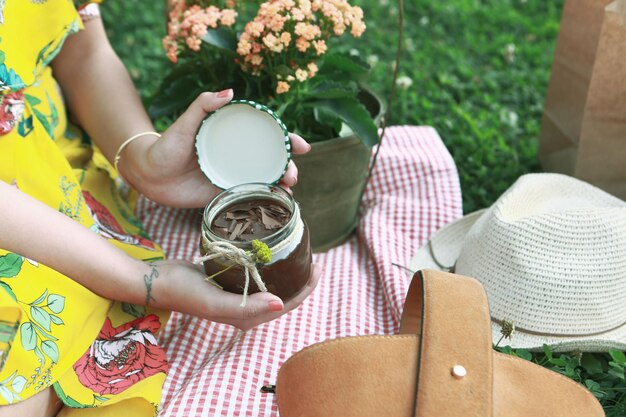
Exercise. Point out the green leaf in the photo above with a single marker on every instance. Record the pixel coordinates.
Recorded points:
(524, 354)
(28, 336)
(67, 400)
(40, 316)
(32, 100)
(558, 362)
(547, 351)
(99, 398)
(618, 356)
(8, 289)
(25, 126)
(18, 384)
(618, 373)
(5, 381)
(591, 364)
(39, 354)
(54, 114)
(43, 331)
(327, 118)
(283, 70)
(40, 299)
(51, 350)
(332, 89)
(176, 96)
(595, 388)
(7, 394)
(221, 38)
(56, 319)
(56, 303)
(344, 64)
(355, 115)
(43, 119)
(10, 265)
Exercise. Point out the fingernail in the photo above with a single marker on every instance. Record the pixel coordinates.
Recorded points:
(309, 147)
(275, 305)
(224, 93)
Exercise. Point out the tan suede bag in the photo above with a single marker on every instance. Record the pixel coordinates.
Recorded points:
(450, 371)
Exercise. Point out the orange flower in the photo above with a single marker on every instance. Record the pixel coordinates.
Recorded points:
(285, 38)
(244, 46)
(301, 75)
(320, 46)
(307, 31)
(302, 44)
(228, 17)
(357, 29)
(282, 87)
(312, 69)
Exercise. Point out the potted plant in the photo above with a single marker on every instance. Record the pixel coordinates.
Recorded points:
(288, 55)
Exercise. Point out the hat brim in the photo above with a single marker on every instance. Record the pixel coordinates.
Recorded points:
(444, 247)
(442, 251)
(597, 343)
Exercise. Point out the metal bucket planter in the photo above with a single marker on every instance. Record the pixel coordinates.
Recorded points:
(331, 178)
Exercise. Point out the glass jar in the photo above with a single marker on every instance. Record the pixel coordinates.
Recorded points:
(288, 271)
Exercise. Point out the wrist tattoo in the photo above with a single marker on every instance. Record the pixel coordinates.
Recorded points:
(147, 279)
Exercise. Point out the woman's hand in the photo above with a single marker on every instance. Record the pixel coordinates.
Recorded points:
(181, 286)
(167, 171)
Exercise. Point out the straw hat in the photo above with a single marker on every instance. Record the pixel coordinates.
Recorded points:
(551, 254)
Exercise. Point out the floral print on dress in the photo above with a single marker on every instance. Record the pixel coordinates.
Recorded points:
(12, 387)
(122, 356)
(9, 80)
(11, 110)
(107, 225)
(11, 96)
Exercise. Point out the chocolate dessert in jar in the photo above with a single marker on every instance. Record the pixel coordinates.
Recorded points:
(258, 213)
(253, 237)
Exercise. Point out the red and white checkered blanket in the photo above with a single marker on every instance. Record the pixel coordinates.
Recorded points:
(217, 370)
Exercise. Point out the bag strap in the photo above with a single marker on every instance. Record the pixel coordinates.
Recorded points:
(451, 314)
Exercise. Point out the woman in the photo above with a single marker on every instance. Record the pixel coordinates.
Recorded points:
(62, 340)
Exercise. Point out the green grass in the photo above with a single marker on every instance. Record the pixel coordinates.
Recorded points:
(480, 70)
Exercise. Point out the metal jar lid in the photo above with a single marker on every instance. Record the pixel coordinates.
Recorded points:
(243, 142)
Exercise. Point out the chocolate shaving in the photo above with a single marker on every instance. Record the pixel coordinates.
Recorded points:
(254, 219)
(269, 222)
(235, 234)
(237, 215)
(221, 222)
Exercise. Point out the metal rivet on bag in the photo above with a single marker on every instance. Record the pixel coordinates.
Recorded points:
(459, 371)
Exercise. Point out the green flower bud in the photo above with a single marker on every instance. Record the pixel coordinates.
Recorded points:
(262, 253)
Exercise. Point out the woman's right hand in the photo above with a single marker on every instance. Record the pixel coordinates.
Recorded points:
(167, 170)
(181, 286)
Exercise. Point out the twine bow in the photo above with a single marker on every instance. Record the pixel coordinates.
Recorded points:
(236, 255)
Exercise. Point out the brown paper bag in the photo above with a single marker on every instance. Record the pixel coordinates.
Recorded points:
(584, 122)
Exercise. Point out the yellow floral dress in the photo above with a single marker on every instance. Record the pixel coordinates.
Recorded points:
(101, 357)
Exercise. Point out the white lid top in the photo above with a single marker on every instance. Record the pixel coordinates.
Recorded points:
(243, 142)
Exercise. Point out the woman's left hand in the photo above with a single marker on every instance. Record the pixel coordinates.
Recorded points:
(167, 171)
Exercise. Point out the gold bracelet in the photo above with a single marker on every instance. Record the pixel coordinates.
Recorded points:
(118, 154)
